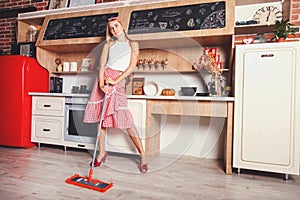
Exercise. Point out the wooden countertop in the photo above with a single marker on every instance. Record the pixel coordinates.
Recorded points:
(158, 97)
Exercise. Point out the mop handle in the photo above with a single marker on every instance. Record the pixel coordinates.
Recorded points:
(99, 128)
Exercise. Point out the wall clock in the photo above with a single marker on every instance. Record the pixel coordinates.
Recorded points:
(268, 15)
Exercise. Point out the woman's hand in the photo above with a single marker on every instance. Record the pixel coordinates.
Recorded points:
(105, 88)
(110, 81)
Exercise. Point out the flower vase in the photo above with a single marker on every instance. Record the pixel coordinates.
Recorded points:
(215, 87)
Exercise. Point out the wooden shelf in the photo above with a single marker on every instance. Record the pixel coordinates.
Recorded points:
(253, 29)
(221, 40)
(69, 48)
(248, 2)
(163, 71)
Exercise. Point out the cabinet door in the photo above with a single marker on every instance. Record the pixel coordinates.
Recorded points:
(46, 129)
(267, 107)
(119, 140)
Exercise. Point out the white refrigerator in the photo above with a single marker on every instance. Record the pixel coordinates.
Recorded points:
(267, 107)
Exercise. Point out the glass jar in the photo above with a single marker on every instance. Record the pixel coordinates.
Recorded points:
(31, 34)
(215, 87)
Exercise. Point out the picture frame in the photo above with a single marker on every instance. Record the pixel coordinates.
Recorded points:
(56, 4)
(137, 86)
(74, 3)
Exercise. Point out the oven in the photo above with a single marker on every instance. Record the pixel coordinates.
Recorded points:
(75, 129)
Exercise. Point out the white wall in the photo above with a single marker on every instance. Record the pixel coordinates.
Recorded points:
(77, 80)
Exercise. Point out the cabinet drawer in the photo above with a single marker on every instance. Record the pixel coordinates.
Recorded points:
(47, 128)
(54, 106)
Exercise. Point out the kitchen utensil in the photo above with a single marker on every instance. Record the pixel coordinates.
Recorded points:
(188, 91)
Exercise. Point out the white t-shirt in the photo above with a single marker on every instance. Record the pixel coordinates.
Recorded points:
(119, 55)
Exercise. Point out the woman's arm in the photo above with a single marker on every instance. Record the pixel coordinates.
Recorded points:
(103, 60)
(132, 64)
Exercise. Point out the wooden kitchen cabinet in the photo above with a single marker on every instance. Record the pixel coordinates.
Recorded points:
(267, 101)
(75, 49)
(119, 140)
(48, 114)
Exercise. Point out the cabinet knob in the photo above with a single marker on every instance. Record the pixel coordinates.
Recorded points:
(46, 130)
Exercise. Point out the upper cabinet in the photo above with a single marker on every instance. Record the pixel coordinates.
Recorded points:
(266, 12)
(74, 33)
(25, 27)
(189, 22)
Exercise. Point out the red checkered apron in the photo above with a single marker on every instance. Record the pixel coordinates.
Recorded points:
(117, 113)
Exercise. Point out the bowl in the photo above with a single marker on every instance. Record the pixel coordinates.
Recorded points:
(188, 91)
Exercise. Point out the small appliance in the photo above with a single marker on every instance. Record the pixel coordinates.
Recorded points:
(25, 49)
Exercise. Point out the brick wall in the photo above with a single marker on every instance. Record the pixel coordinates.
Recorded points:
(8, 25)
(295, 14)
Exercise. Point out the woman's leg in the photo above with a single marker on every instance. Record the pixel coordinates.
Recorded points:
(134, 135)
(101, 143)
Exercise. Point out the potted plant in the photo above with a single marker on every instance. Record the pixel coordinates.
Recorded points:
(283, 30)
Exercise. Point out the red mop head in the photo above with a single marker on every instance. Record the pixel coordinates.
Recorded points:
(88, 182)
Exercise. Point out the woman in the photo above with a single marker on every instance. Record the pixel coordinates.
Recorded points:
(117, 61)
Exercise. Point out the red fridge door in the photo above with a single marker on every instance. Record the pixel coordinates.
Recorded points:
(18, 76)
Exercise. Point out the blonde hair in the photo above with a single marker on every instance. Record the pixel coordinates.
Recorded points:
(109, 36)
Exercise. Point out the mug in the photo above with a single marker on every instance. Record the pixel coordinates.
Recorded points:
(66, 66)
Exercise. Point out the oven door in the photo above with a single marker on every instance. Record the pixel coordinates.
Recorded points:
(76, 130)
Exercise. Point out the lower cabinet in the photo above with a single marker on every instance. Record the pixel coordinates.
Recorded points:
(267, 108)
(47, 124)
(118, 140)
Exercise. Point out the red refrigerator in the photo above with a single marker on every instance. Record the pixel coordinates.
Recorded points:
(18, 76)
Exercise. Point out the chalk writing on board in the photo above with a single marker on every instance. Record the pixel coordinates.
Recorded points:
(77, 27)
(181, 18)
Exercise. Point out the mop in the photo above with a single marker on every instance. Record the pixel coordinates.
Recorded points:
(88, 181)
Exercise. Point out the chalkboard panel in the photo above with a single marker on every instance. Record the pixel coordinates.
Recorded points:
(180, 18)
(77, 27)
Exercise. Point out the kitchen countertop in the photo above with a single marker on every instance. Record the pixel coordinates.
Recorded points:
(159, 97)
(57, 94)
(187, 98)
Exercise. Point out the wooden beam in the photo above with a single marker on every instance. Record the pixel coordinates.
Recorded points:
(10, 13)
